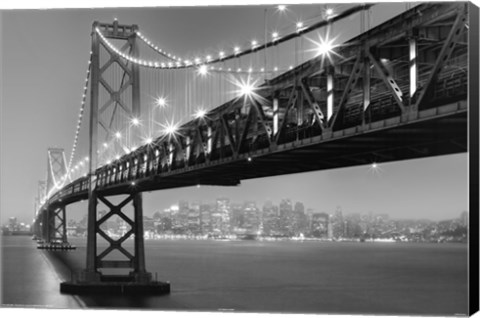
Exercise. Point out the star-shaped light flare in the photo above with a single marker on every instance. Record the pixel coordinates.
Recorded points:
(247, 88)
(170, 129)
(325, 47)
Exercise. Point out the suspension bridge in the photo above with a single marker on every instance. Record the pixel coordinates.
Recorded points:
(283, 105)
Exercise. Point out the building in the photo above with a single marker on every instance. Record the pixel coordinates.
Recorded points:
(220, 219)
(319, 225)
(251, 218)
(286, 218)
(270, 219)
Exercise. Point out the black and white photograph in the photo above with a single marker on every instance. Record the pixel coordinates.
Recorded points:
(261, 158)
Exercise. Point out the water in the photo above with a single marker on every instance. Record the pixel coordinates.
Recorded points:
(253, 276)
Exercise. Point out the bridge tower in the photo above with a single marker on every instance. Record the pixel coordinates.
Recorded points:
(107, 100)
(39, 200)
(52, 224)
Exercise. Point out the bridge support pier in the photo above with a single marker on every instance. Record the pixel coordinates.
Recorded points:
(118, 255)
(54, 229)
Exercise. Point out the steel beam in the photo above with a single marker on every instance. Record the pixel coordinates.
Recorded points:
(445, 52)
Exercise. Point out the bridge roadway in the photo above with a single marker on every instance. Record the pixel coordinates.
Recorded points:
(438, 131)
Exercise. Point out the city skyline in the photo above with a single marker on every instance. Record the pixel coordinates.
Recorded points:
(433, 187)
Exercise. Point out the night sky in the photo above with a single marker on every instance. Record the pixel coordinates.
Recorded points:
(43, 61)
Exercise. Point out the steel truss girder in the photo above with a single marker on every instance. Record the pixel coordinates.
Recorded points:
(352, 81)
(445, 52)
(319, 116)
(389, 81)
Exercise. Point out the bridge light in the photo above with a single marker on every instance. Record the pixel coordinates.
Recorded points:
(374, 165)
(324, 47)
(246, 89)
(299, 26)
(161, 102)
(236, 50)
(169, 128)
(203, 70)
(133, 183)
(281, 7)
(275, 35)
(329, 13)
(254, 43)
(249, 159)
(200, 113)
(221, 54)
(118, 135)
(135, 122)
(117, 157)
(105, 145)
(149, 140)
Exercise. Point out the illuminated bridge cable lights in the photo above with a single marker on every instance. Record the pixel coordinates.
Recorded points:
(156, 48)
(80, 116)
(330, 16)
